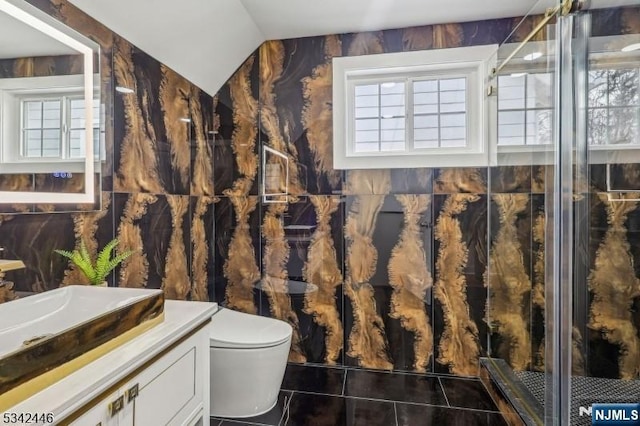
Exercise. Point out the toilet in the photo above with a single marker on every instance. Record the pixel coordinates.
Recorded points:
(248, 358)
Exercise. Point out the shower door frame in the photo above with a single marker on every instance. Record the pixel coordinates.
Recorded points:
(567, 229)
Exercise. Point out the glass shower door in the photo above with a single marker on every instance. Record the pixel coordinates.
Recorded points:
(521, 207)
(564, 251)
(592, 248)
(605, 323)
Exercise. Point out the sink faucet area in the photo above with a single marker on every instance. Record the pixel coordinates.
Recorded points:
(46, 336)
(7, 265)
(7, 292)
(10, 265)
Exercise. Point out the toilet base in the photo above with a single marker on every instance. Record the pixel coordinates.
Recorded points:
(252, 415)
(246, 382)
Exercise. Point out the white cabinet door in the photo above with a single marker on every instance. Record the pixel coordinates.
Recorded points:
(171, 390)
(99, 414)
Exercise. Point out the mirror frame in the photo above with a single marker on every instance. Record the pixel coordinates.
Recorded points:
(40, 21)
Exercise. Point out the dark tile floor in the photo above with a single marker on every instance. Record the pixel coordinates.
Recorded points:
(323, 396)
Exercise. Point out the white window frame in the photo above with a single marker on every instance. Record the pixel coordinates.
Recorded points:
(65, 124)
(13, 92)
(474, 63)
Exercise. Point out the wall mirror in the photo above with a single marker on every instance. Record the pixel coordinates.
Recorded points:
(51, 125)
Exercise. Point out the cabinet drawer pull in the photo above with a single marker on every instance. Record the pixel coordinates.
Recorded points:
(115, 406)
(132, 393)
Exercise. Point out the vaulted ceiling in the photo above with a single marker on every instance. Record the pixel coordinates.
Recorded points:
(206, 40)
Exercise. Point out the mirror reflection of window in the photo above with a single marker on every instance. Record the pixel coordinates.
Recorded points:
(46, 80)
(76, 127)
(55, 127)
(42, 126)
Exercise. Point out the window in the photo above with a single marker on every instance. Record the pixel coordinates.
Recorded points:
(614, 107)
(525, 115)
(438, 117)
(53, 127)
(411, 109)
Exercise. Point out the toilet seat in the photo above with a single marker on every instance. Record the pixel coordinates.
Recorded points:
(231, 329)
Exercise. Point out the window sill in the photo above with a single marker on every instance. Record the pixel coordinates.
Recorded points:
(434, 159)
(541, 155)
(29, 167)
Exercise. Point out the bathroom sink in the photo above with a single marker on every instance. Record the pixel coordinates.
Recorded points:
(47, 336)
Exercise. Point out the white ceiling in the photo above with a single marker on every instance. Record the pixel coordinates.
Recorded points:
(280, 19)
(32, 42)
(206, 40)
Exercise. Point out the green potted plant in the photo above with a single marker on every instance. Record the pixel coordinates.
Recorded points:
(97, 271)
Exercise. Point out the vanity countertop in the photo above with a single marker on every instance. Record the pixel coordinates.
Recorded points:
(82, 386)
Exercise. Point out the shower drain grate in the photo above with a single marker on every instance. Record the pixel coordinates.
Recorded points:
(584, 392)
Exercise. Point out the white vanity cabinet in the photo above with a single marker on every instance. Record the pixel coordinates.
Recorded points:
(167, 392)
(159, 378)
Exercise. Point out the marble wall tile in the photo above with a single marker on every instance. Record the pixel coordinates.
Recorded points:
(275, 123)
(302, 274)
(315, 144)
(202, 242)
(203, 130)
(410, 274)
(396, 296)
(313, 230)
(367, 343)
(237, 253)
(41, 66)
(624, 177)
(510, 179)
(402, 181)
(49, 182)
(32, 239)
(614, 284)
(151, 136)
(538, 264)
(598, 177)
(460, 248)
(236, 149)
(275, 284)
(298, 74)
(509, 278)
(157, 228)
(21, 182)
(615, 21)
(455, 180)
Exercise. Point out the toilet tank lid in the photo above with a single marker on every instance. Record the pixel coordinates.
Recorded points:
(231, 329)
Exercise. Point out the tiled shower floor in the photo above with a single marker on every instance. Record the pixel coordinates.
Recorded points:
(322, 396)
(584, 392)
